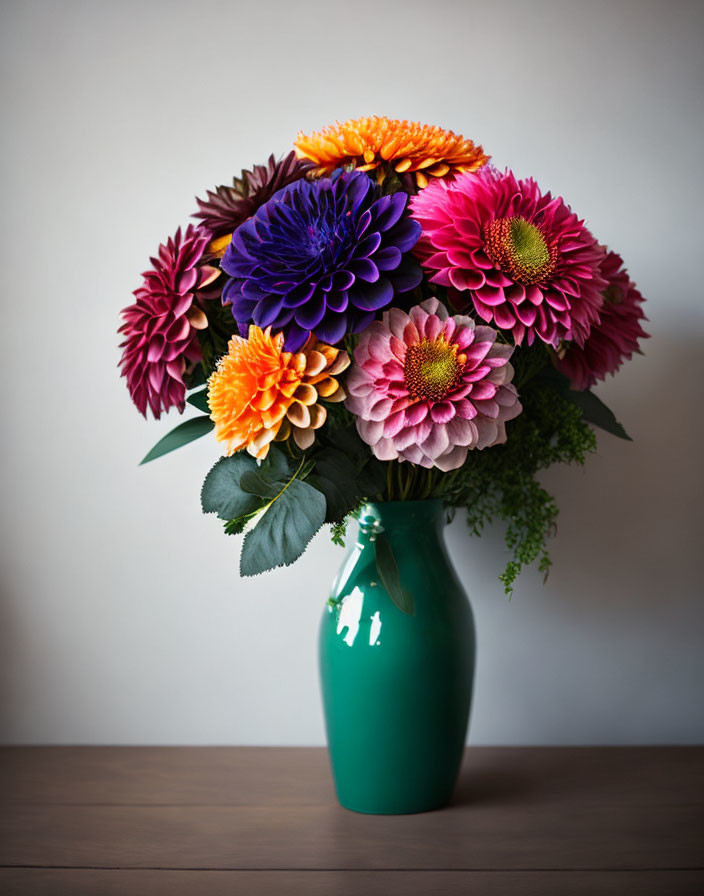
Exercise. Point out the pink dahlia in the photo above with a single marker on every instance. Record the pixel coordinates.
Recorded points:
(614, 339)
(160, 327)
(427, 387)
(524, 260)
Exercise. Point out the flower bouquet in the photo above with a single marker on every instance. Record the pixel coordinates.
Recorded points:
(382, 325)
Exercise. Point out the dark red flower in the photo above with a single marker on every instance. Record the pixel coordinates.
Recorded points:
(160, 327)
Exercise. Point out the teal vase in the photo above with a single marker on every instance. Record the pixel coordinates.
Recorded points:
(397, 688)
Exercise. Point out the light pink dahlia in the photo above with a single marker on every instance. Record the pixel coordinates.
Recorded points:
(426, 387)
(524, 259)
(614, 339)
(160, 327)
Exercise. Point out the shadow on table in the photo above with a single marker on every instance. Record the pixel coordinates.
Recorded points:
(482, 787)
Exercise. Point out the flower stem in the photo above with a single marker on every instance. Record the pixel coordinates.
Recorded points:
(389, 481)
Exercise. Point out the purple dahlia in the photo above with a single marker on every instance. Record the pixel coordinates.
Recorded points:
(321, 257)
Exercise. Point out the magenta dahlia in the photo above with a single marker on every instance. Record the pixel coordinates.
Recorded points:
(524, 259)
(614, 339)
(426, 387)
(160, 327)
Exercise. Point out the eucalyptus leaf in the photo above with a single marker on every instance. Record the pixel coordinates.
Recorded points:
(200, 400)
(184, 433)
(222, 493)
(390, 576)
(284, 530)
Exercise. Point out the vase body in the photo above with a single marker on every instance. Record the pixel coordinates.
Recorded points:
(397, 688)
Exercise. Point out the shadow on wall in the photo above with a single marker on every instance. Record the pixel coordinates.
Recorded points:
(9, 642)
(635, 521)
(610, 651)
(631, 521)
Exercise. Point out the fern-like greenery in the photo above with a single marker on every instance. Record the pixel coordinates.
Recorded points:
(501, 484)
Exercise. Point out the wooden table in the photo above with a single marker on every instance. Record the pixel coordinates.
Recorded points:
(211, 820)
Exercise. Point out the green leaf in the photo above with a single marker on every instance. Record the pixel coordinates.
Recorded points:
(593, 408)
(235, 527)
(284, 530)
(184, 433)
(372, 478)
(347, 440)
(196, 377)
(275, 465)
(200, 400)
(390, 576)
(352, 468)
(335, 475)
(222, 493)
(267, 480)
(595, 411)
(392, 183)
(254, 483)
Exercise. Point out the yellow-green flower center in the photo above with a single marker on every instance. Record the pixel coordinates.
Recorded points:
(431, 369)
(520, 248)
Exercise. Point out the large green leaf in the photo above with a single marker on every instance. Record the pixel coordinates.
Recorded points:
(346, 472)
(199, 400)
(184, 433)
(254, 483)
(269, 478)
(335, 475)
(372, 478)
(284, 530)
(390, 576)
(276, 465)
(595, 411)
(222, 493)
(347, 440)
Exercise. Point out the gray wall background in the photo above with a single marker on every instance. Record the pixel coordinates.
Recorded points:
(122, 619)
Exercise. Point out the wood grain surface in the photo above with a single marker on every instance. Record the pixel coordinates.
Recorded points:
(265, 820)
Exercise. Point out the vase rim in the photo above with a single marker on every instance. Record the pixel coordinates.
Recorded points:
(425, 502)
(402, 513)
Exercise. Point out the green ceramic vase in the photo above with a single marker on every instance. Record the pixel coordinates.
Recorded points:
(397, 688)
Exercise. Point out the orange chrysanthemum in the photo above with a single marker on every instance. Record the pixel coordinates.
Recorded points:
(367, 143)
(260, 392)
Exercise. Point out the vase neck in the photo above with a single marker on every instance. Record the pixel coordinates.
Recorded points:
(400, 518)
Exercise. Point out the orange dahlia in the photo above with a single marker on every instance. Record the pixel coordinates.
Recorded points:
(407, 146)
(259, 392)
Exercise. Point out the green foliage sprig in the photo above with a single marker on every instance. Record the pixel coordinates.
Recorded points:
(501, 484)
